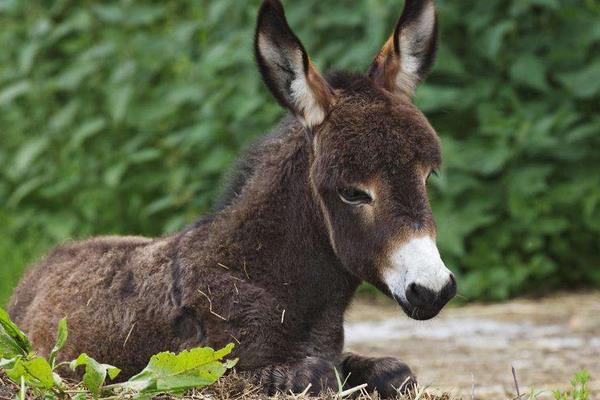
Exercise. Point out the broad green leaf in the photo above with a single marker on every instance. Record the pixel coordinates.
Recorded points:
(73, 76)
(8, 363)
(13, 91)
(494, 37)
(170, 372)
(35, 371)
(584, 83)
(95, 373)
(118, 102)
(25, 189)
(435, 99)
(114, 174)
(61, 339)
(65, 116)
(27, 154)
(13, 342)
(530, 71)
(85, 131)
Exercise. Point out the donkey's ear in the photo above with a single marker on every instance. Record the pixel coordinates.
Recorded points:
(287, 69)
(408, 55)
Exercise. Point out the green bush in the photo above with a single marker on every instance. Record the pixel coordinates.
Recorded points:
(121, 117)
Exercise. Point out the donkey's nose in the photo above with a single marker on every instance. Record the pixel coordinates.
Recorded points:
(420, 296)
(423, 297)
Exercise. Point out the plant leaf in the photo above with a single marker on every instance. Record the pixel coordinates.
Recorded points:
(13, 341)
(35, 371)
(583, 83)
(170, 372)
(95, 373)
(8, 363)
(61, 339)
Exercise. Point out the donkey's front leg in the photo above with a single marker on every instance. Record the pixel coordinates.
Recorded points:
(296, 376)
(387, 375)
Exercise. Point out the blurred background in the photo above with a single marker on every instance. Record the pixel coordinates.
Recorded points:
(123, 116)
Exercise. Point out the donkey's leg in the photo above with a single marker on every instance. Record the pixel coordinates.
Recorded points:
(387, 375)
(296, 377)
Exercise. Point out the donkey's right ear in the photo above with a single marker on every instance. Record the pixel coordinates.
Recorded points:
(286, 68)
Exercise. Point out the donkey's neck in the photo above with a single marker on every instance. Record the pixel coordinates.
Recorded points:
(273, 231)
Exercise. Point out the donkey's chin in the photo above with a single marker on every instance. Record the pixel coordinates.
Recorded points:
(418, 313)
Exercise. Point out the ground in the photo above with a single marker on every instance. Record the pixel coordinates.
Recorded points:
(546, 340)
(467, 352)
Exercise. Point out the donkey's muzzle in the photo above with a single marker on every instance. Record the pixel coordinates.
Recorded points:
(425, 303)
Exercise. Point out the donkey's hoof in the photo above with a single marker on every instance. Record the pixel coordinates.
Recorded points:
(391, 376)
(314, 373)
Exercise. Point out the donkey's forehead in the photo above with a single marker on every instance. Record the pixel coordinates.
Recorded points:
(374, 133)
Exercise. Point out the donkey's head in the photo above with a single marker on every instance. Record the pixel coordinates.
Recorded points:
(372, 152)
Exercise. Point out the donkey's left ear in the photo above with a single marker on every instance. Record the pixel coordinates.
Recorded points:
(287, 69)
(409, 53)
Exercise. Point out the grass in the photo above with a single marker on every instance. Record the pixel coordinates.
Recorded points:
(234, 387)
(231, 387)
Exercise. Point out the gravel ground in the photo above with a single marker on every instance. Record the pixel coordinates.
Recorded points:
(473, 347)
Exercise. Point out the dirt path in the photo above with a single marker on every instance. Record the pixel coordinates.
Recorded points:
(546, 340)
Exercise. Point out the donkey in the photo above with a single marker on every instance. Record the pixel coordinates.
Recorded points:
(336, 195)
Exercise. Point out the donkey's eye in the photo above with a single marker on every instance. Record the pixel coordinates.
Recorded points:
(354, 196)
(432, 172)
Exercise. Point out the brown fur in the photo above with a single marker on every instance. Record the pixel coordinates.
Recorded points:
(272, 270)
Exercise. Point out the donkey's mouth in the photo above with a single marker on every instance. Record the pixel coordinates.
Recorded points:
(418, 313)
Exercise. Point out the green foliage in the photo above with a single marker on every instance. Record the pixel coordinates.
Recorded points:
(579, 388)
(17, 359)
(61, 340)
(166, 372)
(95, 373)
(13, 342)
(121, 117)
(177, 373)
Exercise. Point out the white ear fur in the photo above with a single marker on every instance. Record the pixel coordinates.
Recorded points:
(313, 113)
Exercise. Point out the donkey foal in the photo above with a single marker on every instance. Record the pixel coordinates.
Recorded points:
(336, 195)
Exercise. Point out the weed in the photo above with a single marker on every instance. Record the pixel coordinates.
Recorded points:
(579, 388)
(165, 373)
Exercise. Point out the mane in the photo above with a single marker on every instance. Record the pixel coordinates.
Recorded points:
(352, 83)
(243, 169)
(245, 166)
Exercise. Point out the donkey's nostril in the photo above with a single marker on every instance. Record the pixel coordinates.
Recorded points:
(449, 291)
(452, 279)
(420, 296)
